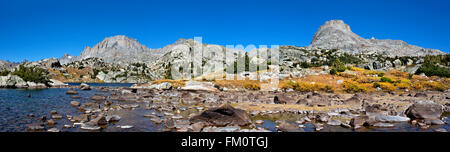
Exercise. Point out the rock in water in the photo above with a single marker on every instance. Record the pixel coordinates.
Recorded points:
(84, 86)
(71, 92)
(75, 103)
(222, 116)
(383, 125)
(98, 98)
(424, 110)
(99, 120)
(289, 127)
(112, 118)
(359, 121)
(56, 83)
(391, 118)
(334, 123)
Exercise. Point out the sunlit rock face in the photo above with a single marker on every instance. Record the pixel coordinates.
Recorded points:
(335, 34)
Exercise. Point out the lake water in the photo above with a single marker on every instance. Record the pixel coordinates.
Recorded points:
(15, 107)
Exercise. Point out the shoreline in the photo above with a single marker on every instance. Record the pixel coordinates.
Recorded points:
(174, 110)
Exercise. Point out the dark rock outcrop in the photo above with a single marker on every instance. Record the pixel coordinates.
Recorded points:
(223, 116)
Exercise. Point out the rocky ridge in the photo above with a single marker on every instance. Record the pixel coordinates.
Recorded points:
(335, 34)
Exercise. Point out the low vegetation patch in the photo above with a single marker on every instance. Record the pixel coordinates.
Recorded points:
(353, 87)
(4, 73)
(31, 74)
(246, 84)
(433, 70)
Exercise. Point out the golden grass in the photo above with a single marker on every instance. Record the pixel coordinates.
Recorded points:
(398, 73)
(174, 83)
(306, 86)
(356, 69)
(372, 72)
(252, 106)
(387, 86)
(246, 84)
(352, 86)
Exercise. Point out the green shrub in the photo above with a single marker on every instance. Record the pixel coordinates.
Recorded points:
(386, 79)
(31, 74)
(4, 73)
(376, 85)
(340, 67)
(333, 71)
(437, 59)
(433, 70)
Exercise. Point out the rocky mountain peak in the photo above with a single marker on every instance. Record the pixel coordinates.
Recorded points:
(335, 34)
(118, 49)
(337, 24)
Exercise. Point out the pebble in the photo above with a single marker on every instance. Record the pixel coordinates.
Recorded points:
(53, 130)
(87, 127)
(384, 125)
(259, 121)
(177, 117)
(168, 114)
(299, 121)
(440, 130)
(345, 125)
(126, 127)
(55, 116)
(334, 123)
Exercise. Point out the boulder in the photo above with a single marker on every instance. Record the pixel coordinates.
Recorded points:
(289, 127)
(75, 103)
(434, 122)
(98, 98)
(383, 125)
(33, 85)
(382, 118)
(447, 107)
(84, 86)
(376, 109)
(354, 100)
(334, 123)
(12, 81)
(359, 121)
(89, 106)
(112, 118)
(199, 86)
(51, 122)
(196, 127)
(223, 116)
(35, 127)
(99, 120)
(81, 118)
(281, 99)
(420, 94)
(424, 110)
(56, 83)
(53, 130)
(70, 91)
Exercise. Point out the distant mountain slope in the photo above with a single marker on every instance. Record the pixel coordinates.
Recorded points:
(335, 34)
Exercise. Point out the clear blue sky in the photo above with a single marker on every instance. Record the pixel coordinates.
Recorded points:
(35, 30)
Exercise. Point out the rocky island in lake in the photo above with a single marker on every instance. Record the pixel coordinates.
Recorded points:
(341, 82)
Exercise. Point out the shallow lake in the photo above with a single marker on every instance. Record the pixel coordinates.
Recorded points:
(17, 104)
